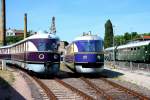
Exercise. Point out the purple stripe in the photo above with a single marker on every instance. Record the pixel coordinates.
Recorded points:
(86, 58)
(33, 56)
(43, 57)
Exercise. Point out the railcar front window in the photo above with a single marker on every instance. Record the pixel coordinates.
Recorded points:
(90, 46)
(47, 45)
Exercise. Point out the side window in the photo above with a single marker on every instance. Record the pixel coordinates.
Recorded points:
(146, 48)
(134, 48)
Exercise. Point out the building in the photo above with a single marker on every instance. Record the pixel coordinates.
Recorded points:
(14, 32)
(62, 46)
(144, 38)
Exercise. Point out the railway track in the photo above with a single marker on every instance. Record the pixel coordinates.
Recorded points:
(82, 88)
(62, 90)
(54, 89)
(113, 91)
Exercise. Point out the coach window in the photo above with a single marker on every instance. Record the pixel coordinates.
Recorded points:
(16, 49)
(145, 48)
(24, 46)
(8, 50)
(4, 51)
(20, 47)
(134, 48)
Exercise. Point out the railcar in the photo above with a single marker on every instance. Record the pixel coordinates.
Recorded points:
(85, 54)
(137, 51)
(37, 53)
(110, 53)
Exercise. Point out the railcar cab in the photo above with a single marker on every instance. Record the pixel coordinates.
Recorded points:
(89, 51)
(50, 43)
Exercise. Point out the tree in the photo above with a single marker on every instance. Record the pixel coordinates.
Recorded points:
(13, 39)
(127, 37)
(119, 39)
(108, 39)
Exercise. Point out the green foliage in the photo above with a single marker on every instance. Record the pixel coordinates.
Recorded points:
(13, 39)
(127, 37)
(119, 39)
(108, 39)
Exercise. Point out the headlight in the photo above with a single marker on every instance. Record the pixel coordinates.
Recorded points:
(98, 57)
(55, 56)
(85, 57)
(41, 56)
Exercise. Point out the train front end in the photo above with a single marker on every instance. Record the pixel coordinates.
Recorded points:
(43, 56)
(88, 55)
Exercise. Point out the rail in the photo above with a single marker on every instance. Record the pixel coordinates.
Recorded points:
(46, 89)
(97, 89)
(85, 96)
(129, 91)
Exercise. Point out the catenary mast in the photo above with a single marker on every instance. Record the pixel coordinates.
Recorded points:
(53, 28)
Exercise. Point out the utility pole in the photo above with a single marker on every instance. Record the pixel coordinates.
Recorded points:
(3, 20)
(114, 45)
(25, 25)
(53, 28)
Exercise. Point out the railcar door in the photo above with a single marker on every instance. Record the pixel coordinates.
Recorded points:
(148, 53)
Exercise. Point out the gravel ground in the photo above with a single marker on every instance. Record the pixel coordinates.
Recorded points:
(21, 86)
(139, 83)
(13, 86)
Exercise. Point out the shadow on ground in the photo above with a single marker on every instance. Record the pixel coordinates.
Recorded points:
(7, 92)
(111, 74)
(104, 74)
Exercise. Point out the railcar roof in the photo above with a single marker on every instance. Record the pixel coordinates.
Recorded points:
(88, 37)
(39, 34)
(110, 48)
(135, 44)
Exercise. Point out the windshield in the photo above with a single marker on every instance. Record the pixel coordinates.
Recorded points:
(89, 45)
(46, 44)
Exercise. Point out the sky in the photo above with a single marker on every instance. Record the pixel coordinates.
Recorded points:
(73, 17)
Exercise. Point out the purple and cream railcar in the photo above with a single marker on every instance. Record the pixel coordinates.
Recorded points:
(85, 54)
(37, 53)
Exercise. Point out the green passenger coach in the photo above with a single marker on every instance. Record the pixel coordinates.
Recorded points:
(138, 51)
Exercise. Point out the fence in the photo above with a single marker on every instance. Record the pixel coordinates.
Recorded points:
(130, 66)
